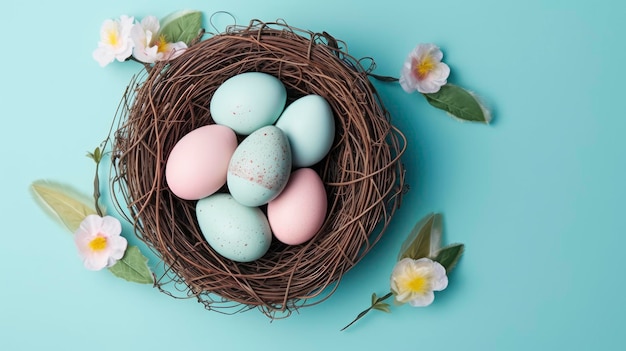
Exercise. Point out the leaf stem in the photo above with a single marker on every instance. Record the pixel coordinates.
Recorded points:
(96, 189)
(383, 78)
(147, 66)
(364, 312)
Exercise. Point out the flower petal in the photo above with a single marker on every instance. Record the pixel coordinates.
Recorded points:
(173, 50)
(427, 87)
(96, 262)
(91, 224)
(150, 24)
(82, 239)
(434, 52)
(440, 279)
(111, 226)
(419, 300)
(144, 50)
(103, 56)
(117, 247)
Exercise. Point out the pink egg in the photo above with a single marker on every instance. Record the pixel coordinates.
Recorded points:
(198, 163)
(300, 209)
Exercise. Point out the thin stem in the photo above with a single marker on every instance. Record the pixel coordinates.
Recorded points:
(96, 189)
(383, 78)
(364, 312)
(147, 66)
(100, 151)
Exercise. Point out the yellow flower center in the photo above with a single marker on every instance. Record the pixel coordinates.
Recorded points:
(161, 44)
(422, 68)
(99, 243)
(113, 38)
(417, 284)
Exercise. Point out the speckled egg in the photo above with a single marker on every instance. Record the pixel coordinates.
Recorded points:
(248, 101)
(237, 232)
(260, 167)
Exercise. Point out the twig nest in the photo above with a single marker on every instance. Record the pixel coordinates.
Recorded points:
(362, 173)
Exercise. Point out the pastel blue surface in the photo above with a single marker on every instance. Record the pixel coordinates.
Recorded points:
(537, 197)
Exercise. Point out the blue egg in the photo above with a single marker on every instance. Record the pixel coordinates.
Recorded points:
(237, 232)
(248, 101)
(309, 125)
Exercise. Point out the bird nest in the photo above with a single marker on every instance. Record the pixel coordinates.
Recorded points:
(362, 173)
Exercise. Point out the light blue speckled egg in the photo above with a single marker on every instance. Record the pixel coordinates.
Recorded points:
(260, 167)
(237, 232)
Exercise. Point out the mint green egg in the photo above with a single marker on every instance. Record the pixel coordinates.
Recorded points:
(237, 232)
(309, 124)
(248, 101)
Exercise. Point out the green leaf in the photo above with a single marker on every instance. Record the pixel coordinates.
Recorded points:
(449, 256)
(459, 103)
(96, 155)
(62, 202)
(424, 240)
(382, 306)
(133, 267)
(181, 26)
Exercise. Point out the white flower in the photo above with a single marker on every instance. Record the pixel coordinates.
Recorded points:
(99, 242)
(414, 281)
(115, 42)
(423, 70)
(150, 46)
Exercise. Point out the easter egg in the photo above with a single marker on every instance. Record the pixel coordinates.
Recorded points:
(309, 125)
(248, 101)
(198, 163)
(237, 232)
(260, 167)
(300, 210)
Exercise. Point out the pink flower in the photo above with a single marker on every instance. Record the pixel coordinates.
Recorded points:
(99, 242)
(423, 70)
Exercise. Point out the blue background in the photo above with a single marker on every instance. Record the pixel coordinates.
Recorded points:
(537, 197)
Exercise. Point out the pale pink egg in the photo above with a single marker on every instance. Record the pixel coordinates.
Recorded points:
(300, 209)
(198, 163)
